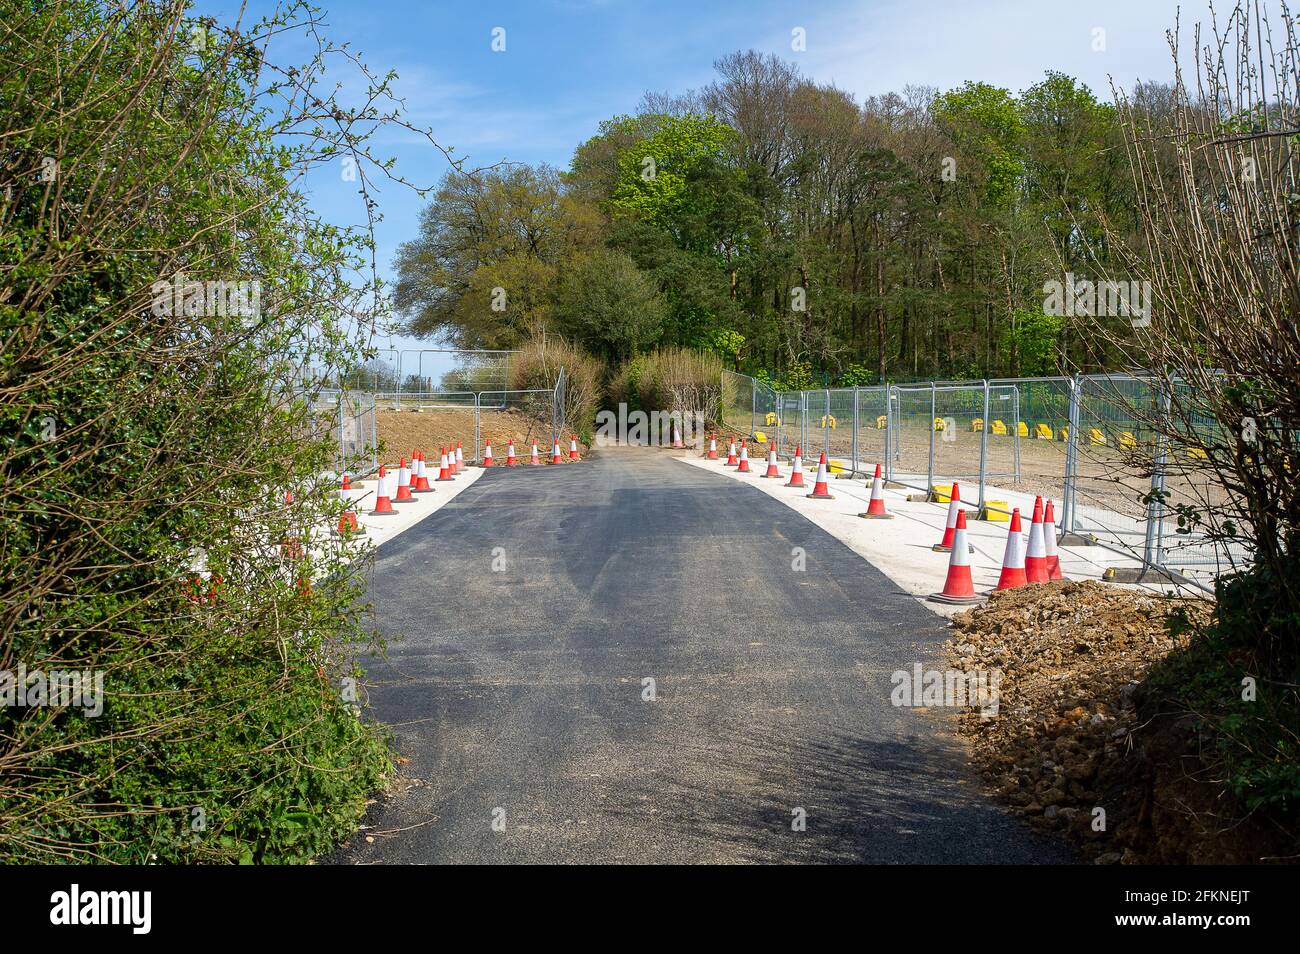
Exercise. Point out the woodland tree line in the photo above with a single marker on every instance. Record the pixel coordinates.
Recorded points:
(796, 232)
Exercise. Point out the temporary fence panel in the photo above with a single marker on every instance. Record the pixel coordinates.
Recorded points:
(738, 408)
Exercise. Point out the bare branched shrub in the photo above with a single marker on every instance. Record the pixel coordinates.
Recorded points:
(538, 364)
(679, 380)
(1218, 185)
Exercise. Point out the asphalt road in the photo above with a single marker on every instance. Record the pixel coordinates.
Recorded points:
(517, 693)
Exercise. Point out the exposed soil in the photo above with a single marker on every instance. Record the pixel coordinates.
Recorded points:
(1076, 731)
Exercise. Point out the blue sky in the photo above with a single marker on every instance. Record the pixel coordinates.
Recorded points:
(568, 64)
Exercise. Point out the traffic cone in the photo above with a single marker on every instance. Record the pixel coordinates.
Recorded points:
(950, 526)
(573, 447)
(383, 500)
(487, 454)
(958, 587)
(742, 465)
(422, 485)
(677, 437)
(820, 490)
(1013, 558)
(460, 459)
(731, 456)
(796, 474)
(536, 461)
(1036, 555)
(403, 483)
(348, 520)
(876, 508)
(713, 447)
(510, 454)
(555, 453)
(1049, 544)
(444, 466)
(772, 470)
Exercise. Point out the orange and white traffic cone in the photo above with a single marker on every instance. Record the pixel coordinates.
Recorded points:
(487, 454)
(460, 459)
(1013, 558)
(772, 470)
(820, 489)
(573, 447)
(555, 453)
(1049, 544)
(958, 587)
(1036, 555)
(732, 461)
(742, 465)
(950, 525)
(383, 494)
(422, 485)
(796, 474)
(403, 483)
(444, 466)
(713, 447)
(510, 454)
(876, 507)
(536, 460)
(348, 520)
(677, 438)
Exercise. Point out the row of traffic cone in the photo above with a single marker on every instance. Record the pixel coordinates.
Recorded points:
(1025, 561)
(402, 486)
(821, 486)
(1038, 563)
(557, 456)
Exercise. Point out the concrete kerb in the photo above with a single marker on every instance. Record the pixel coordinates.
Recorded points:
(901, 548)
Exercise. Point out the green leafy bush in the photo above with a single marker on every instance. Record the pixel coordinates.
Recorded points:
(145, 534)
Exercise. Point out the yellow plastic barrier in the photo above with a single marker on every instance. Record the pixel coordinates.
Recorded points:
(1197, 453)
(999, 428)
(824, 419)
(1022, 429)
(770, 420)
(880, 423)
(996, 511)
(1126, 439)
(942, 493)
(837, 467)
(1096, 437)
(760, 437)
(1063, 434)
(1043, 432)
(938, 423)
(977, 425)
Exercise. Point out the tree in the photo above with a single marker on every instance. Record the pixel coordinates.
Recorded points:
(606, 303)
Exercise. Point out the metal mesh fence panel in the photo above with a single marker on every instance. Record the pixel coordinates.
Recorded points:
(737, 402)
(1115, 460)
(789, 412)
(958, 441)
(913, 434)
(871, 428)
(1027, 427)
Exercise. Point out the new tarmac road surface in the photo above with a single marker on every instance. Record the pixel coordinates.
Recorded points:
(526, 619)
